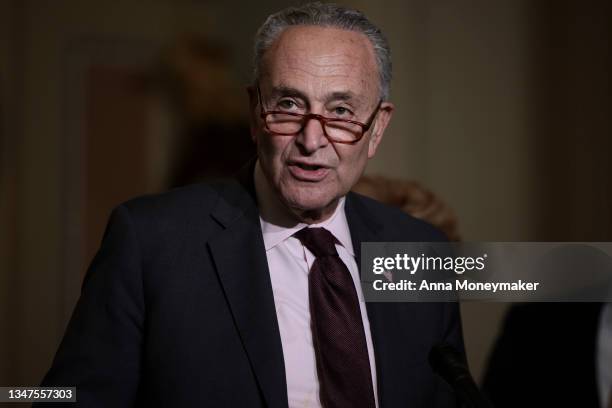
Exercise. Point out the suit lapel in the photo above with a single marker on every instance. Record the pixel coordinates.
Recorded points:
(385, 318)
(239, 256)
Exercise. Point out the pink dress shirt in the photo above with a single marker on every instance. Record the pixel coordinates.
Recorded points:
(289, 263)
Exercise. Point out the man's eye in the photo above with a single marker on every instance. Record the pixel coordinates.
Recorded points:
(287, 104)
(342, 111)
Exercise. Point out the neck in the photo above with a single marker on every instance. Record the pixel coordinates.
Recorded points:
(315, 216)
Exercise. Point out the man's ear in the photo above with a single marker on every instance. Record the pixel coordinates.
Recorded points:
(253, 109)
(380, 124)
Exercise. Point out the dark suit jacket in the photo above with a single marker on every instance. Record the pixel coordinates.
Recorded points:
(177, 309)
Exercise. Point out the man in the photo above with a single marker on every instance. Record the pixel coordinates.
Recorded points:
(247, 294)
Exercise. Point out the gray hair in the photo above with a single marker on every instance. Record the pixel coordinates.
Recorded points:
(325, 15)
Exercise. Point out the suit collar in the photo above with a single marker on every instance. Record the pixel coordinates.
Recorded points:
(236, 197)
(242, 267)
(363, 224)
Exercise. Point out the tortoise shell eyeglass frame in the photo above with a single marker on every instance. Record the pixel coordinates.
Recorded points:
(322, 119)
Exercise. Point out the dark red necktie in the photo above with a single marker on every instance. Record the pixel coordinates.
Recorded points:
(338, 336)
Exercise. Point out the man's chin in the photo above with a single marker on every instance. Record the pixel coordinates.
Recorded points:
(313, 209)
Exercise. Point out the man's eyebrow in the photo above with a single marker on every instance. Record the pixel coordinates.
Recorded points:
(282, 90)
(342, 96)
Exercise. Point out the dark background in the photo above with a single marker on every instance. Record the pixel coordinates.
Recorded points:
(503, 110)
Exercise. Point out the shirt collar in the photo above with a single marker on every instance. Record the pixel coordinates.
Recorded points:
(277, 225)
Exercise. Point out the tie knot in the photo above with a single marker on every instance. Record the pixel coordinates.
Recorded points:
(319, 241)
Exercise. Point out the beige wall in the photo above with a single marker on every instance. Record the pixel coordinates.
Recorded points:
(461, 89)
(478, 134)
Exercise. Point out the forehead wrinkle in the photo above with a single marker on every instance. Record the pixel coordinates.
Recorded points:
(330, 64)
(347, 96)
(326, 77)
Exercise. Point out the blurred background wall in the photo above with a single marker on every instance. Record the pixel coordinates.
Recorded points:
(503, 110)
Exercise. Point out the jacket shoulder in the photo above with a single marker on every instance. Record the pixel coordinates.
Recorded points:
(178, 202)
(163, 217)
(396, 224)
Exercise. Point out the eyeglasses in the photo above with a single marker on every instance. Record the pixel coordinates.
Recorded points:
(336, 130)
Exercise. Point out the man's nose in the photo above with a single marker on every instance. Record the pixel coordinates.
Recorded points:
(312, 137)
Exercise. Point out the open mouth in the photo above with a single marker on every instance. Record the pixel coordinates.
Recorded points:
(308, 172)
(308, 166)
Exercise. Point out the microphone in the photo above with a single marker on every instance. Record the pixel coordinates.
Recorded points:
(449, 364)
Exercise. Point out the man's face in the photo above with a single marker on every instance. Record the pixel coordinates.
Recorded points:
(327, 71)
